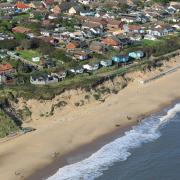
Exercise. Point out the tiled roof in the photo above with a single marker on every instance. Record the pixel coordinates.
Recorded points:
(5, 67)
(21, 5)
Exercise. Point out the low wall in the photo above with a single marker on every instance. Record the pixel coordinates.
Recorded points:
(160, 75)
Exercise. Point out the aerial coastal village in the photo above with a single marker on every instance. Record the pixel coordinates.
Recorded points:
(59, 57)
(51, 40)
(49, 46)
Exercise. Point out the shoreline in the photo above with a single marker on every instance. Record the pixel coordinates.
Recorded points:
(86, 150)
(76, 131)
(78, 154)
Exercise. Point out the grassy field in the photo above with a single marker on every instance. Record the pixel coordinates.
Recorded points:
(148, 43)
(29, 54)
(7, 126)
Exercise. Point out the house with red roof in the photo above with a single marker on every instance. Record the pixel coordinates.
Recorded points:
(21, 6)
(111, 41)
(134, 29)
(48, 3)
(6, 68)
(20, 29)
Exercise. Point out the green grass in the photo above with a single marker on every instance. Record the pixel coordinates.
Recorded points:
(29, 54)
(7, 126)
(147, 42)
(20, 17)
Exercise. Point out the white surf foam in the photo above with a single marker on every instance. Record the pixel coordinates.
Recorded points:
(118, 150)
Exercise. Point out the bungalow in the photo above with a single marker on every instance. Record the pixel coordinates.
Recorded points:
(3, 53)
(73, 45)
(6, 79)
(74, 10)
(96, 31)
(135, 29)
(47, 3)
(136, 54)
(35, 59)
(151, 15)
(176, 26)
(124, 41)
(53, 16)
(97, 47)
(7, 8)
(78, 35)
(175, 19)
(61, 75)
(99, 21)
(87, 13)
(106, 63)
(43, 79)
(6, 69)
(129, 19)
(56, 9)
(30, 35)
(114, 24)
(85, 2)
(174, 8)
(34, 5)
(20, 29)
(77, 70)
(79, 54)
(46, 63)
(65, 6)
(5, 37)
(160, 30)
(135, 36)
(89, 25)
(111, 41)
(150, 37)
(45, 33)
(157, 7)
(120, 59)
(91, 67)
(22, 7)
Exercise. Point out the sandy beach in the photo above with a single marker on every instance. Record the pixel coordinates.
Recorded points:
(73, 127)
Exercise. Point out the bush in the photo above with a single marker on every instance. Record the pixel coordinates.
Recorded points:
(96, 96)
(61, 104)
(7, 126)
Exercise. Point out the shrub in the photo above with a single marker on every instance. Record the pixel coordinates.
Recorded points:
(97, 96)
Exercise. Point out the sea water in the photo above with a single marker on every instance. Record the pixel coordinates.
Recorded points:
(149, 151)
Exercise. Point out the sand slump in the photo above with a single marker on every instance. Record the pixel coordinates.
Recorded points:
(118, 150)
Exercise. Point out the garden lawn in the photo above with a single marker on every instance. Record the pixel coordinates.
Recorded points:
(29, 54)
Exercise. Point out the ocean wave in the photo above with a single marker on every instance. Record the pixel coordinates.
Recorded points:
(118, 150)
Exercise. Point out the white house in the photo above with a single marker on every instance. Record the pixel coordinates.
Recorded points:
(106, 63)
(35, 59)
(77, 70)
(85, 2)
(150, 37)
(43, 80)
(46, 33)
(91, 67)
(74, 10)
(159, 30)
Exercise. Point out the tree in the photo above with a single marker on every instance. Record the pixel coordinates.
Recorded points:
(26, 44)
(45, 48)
(9, 44)
(19, 36)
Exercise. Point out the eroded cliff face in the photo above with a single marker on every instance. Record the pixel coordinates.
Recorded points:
(34, 109)
(70, 100)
